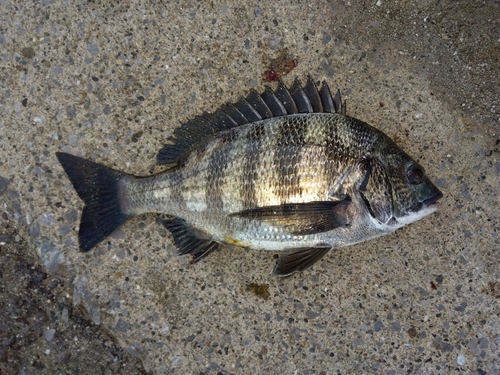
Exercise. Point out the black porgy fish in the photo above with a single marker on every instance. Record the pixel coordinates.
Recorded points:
(281, 170)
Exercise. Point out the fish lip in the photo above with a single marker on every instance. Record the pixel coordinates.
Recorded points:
(433, 201)
(433, 207)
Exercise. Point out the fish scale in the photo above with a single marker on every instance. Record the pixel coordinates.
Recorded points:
(263, 175)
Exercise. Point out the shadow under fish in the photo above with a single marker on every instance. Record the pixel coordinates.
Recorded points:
(284, 170)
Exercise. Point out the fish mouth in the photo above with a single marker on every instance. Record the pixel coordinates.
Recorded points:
(433, 201)
(431, 204)
(422, 209)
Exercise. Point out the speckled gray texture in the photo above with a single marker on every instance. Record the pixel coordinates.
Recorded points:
(110, 82)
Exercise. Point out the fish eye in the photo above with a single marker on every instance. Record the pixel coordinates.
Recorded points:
(414, 175)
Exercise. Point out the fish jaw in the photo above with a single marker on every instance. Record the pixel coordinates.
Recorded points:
(429, 205)
(414, 216)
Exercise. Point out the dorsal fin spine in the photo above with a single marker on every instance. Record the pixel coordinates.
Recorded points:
(301, 100)
(313, 94)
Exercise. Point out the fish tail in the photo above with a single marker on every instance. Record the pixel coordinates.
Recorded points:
(99, 188)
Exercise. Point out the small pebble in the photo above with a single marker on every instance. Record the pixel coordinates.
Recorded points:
(461, 360)
(64, 315)
(4, 182)
(93, 49)
(73, 139)
(49, 334)
(47, 219)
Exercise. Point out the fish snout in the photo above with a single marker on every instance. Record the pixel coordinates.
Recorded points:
(433, 195)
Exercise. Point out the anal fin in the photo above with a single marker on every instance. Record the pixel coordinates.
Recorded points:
(297, 260)
(189, 242)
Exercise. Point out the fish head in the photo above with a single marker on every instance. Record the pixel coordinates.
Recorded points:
(398, 191)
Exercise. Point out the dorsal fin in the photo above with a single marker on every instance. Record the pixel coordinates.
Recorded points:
(284, 96)
(273, 102)
(301, 100)
(312, 93)
(259, 104)
(255, 107)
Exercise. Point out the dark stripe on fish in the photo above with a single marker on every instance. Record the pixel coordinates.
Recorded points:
(217, 166)
(335, 149)
(287, 157)
(251, 165)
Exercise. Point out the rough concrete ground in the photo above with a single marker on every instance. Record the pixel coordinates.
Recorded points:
(110, 81)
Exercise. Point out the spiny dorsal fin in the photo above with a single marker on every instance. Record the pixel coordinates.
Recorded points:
(255, 107)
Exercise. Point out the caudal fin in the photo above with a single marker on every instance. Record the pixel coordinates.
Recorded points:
(98, 187)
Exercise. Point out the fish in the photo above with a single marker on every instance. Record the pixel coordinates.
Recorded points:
(283, 170)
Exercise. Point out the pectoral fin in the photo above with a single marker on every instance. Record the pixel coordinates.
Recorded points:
(302, 218)
(297, 260)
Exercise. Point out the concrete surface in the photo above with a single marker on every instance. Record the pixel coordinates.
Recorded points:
(110, 80)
